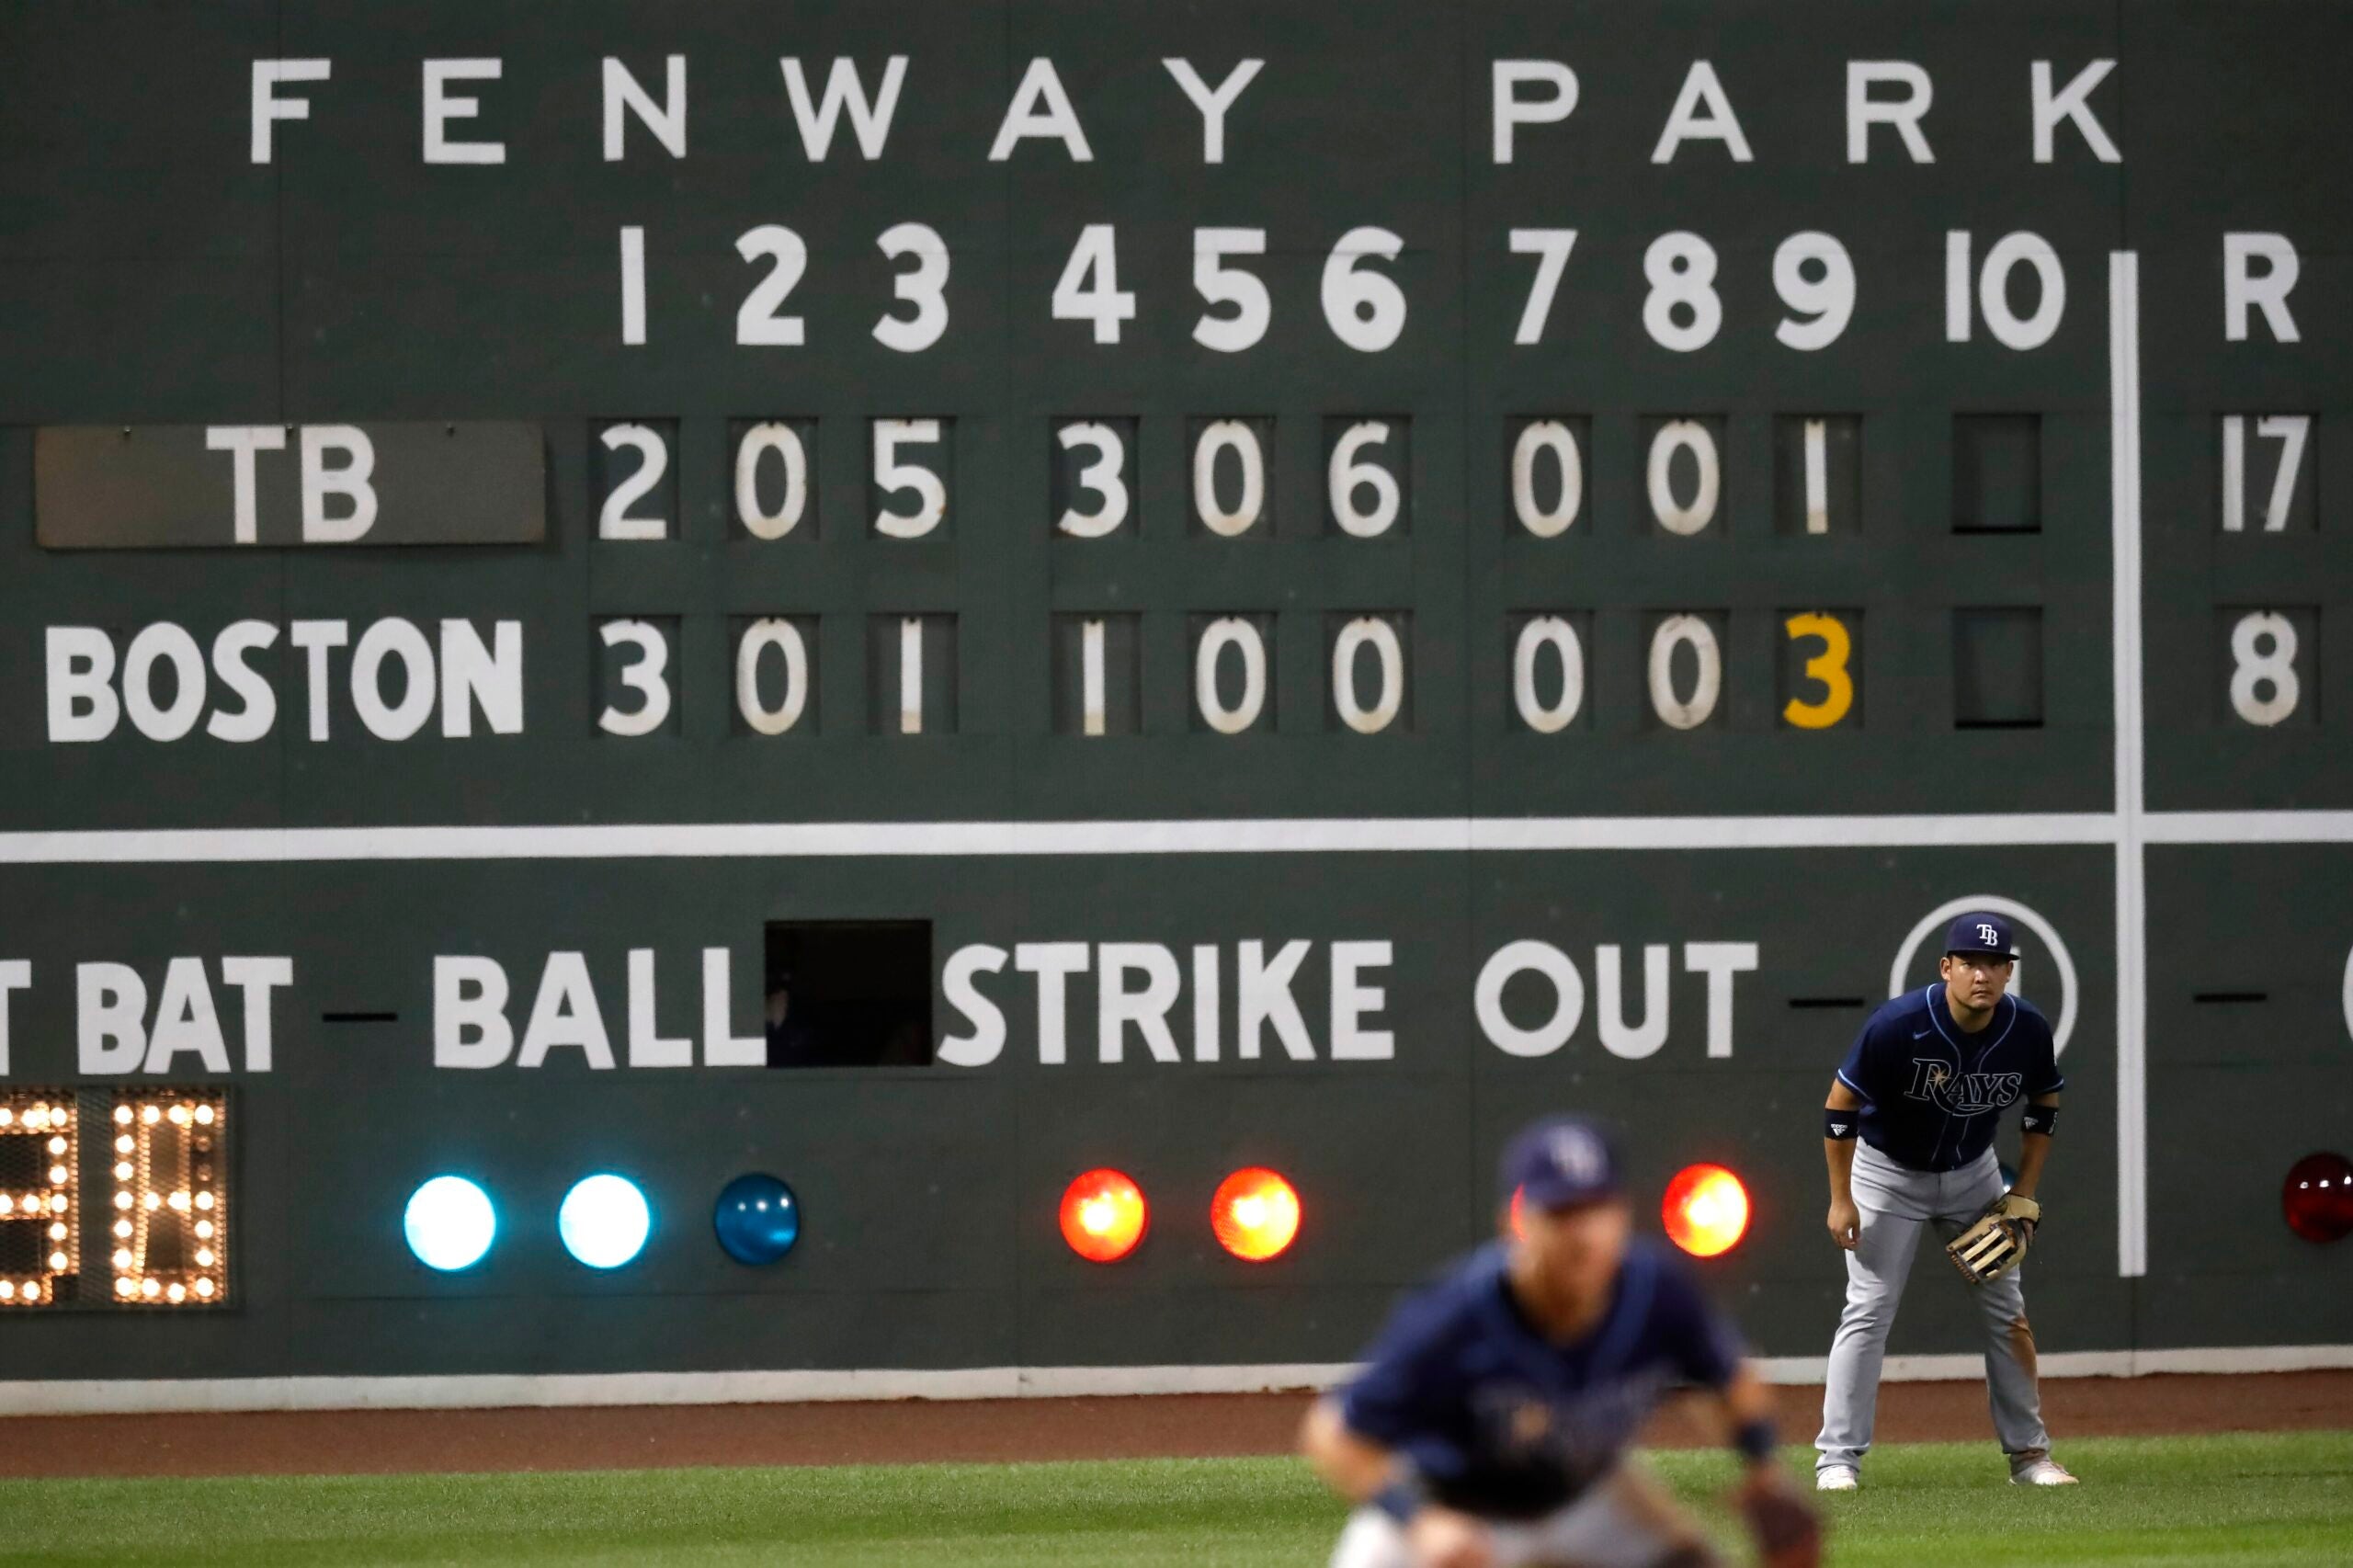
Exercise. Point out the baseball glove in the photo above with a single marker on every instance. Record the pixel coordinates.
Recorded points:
(1785, 1527)
(1997, 1241)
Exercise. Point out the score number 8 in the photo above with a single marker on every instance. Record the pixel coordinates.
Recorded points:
(2257, 666)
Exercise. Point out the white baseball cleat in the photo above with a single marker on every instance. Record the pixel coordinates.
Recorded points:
(1843, 1478)
(2041, 1472)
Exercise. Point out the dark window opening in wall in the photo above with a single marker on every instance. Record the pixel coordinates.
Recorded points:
(848, 993)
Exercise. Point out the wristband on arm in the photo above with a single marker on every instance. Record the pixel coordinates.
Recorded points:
(1754, 1440)
(1400, 1498)
(1841, 1126)
(2042, 1119)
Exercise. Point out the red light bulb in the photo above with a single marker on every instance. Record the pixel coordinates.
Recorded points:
(1706, 1211)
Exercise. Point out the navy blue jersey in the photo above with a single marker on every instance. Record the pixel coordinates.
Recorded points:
(1933, 1093)
(1501, 1421)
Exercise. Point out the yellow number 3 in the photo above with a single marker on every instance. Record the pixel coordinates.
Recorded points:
(1830, 667)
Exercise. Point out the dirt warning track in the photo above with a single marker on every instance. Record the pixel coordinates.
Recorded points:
(910, 1431)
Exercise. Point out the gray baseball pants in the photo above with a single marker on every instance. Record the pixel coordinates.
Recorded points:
(1896, 1202)
(1628, 1520)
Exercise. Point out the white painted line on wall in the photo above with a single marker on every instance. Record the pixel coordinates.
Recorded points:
(1788, 833)
(2247, 827)
(1064, 1382)
(2132, 860)
(2230, 1360)
(1256, 836)
(1206, 836)
(551, 1390)
(1247, 836)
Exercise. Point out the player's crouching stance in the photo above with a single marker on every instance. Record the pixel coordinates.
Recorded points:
(1490, 1427)
(1922, 1091)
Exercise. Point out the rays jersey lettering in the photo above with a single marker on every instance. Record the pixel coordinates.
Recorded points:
(1579, 1435)
(1932, 1091)
(1501, 1421)
(1961, 1094)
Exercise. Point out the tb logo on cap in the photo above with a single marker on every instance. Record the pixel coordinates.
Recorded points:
(1980, 931)
(1576, 1154)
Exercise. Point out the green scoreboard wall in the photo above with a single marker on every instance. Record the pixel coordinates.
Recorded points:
(1367, 569)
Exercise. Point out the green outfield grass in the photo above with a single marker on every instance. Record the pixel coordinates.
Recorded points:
(2245, 1501)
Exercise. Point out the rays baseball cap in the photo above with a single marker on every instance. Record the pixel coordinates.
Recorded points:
(1982, 933)
(1558, 1163)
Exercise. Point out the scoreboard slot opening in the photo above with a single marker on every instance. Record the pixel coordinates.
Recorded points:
(1998, 473)
(1998, 668)
(848, 994)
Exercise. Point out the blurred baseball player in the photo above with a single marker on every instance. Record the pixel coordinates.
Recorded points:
(1490, 1427)
(1923, 1091)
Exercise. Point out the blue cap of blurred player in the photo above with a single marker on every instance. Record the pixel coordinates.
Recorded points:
(1982, 933)
(1559, 1163)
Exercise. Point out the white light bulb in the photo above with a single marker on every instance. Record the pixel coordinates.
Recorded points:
(603, 1221)
(149, 1287)
(57, 1232)
(154, 1200)
(204, 1230)
(204, 1114)
(204, 1201)
(150, 1115)
(176, 1293)
(125, 1286)
(122, 1260)
(204, 1258)
(57, 1145)
(57, 1261)
(122, 1113)
(122, 1171)
(204, 1287)
(122, 1227)
(124, 1145)
(57, 1175)
(6, 1116)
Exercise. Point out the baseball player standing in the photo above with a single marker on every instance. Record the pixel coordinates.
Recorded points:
(1921, 1092)
(1489, 1429)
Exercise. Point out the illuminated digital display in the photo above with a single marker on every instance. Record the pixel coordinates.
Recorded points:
(39, 1218)
(169, 1224)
